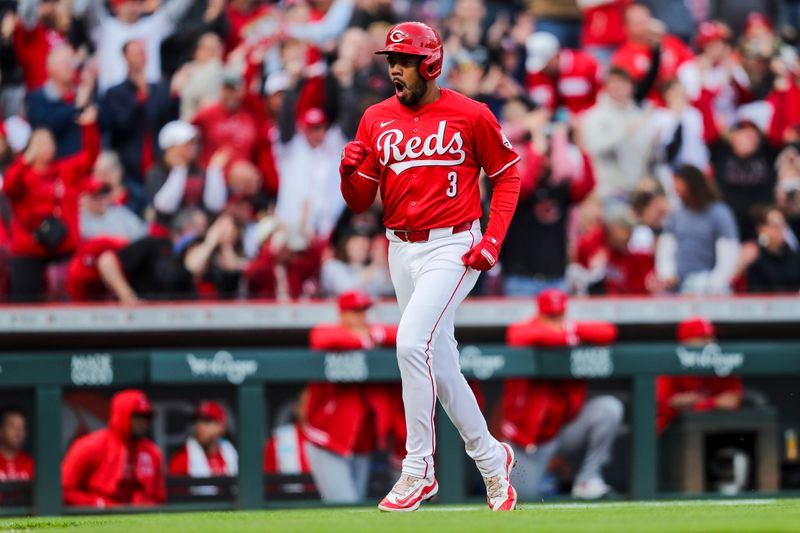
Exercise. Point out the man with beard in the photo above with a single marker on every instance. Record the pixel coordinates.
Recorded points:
(425, 148)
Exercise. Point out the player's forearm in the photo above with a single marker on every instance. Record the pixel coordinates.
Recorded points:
(505, 193)
(358, 192)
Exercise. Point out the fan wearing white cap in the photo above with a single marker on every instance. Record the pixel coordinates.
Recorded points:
(176, 182)
(559, 77)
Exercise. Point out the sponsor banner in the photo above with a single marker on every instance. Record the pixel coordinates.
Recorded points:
(710, 357)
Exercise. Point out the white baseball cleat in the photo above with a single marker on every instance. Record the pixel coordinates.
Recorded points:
(591, 489)
(408, 493)
(500, 495)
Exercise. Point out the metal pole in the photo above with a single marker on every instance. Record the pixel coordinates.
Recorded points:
(47, 426)
(450, 460)
(251, 440)
(645, 453)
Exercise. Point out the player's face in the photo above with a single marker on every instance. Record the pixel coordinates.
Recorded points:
(409, 86)
(13, 432)
(140, 425)
(208, 431)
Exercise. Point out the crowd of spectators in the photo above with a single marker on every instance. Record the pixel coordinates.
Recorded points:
(177, 149)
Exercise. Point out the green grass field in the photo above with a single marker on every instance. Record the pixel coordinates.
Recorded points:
(687, 516)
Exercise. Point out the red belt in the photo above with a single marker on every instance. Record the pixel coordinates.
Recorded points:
(423, 234)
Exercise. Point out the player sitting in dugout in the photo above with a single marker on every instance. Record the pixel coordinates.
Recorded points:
(15, 464)
(676, 394)
(543, 418)
(206, 452)
(117, 465)
(346, 422)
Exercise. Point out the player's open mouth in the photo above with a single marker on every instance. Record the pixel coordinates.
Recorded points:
(399, 87)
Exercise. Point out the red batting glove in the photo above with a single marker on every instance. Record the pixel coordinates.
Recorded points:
(483, 256)
(353, 155)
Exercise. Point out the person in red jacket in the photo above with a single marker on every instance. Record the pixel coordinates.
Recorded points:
(676, 394)
(117, 465)
(560, 77)
(238, 123)
(15, 464)
(206, 452)
(646, 37)
(345, 422)
(603, 28)
(44, 193)
(544, 417)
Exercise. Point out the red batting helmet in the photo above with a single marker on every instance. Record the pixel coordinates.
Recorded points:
(418, 39)
(551, 302)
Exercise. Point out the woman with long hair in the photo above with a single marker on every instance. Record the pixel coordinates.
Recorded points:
(699, 249)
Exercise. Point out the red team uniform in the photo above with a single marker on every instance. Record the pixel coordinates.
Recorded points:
(17, 468)
(426, 159)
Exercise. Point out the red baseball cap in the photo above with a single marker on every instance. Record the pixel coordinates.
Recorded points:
(354, 301)
(695, 327)
(120, 2)
(552, 302)
(708, 32)
(755, 20)
(313, 116)
(96, 186)
(210, 410)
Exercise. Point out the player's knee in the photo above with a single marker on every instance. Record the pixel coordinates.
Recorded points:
(407, 349)
(609, 409)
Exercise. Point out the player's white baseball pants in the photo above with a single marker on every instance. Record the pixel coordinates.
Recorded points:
(431, 281)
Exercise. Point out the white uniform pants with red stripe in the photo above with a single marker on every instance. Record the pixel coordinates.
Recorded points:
(431, 281)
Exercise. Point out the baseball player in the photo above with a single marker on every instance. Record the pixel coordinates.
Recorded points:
(425, 148)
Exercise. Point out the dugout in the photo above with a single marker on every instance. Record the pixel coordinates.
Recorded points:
(54, 352)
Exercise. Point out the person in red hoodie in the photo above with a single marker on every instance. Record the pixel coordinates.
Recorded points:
(44, 193)
(676, 394)
(345, 422)
(117, 465)
(560, 77)
(206, 453)
(542, 417)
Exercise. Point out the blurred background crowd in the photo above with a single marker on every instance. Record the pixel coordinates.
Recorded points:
(184, 149)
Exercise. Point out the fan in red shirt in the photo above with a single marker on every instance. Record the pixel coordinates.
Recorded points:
(345, 422)
(603, 23)
(206, 452)
(645, 35)
(39, 29)
(560, 77)
(117, 465)
(43, 193)
(542, 417)
(608, 265)
(15, 464)
(238, 123)
(675, 394)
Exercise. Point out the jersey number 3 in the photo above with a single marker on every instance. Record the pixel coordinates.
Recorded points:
(452, 191)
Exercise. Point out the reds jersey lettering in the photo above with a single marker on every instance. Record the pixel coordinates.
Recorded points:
(428, 159)
(389, 146)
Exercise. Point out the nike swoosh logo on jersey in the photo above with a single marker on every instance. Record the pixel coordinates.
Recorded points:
(383, 124)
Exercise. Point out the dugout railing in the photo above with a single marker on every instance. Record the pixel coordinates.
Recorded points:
(251, 371)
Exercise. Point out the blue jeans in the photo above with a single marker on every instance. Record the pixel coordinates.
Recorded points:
(568, 32)
(530, 286)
